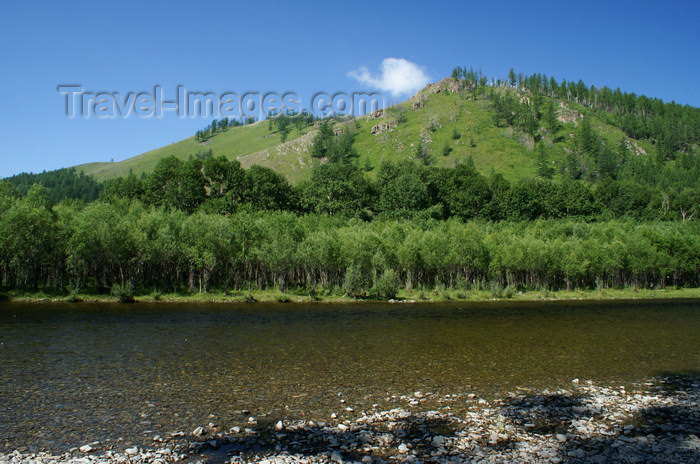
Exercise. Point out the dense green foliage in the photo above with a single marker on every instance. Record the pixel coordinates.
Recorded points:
(60, 184)
(640, 189)
(101, 245)
(406, 190)
(335, 147)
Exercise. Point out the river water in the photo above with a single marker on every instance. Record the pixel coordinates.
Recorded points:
(74, 373)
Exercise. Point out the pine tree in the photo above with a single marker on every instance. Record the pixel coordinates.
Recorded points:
(446, 149)
(544, 168)
(322, 141)
(550, 117)
(422, 154)
(511, 77)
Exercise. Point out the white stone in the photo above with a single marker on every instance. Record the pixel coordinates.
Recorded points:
(437, 441)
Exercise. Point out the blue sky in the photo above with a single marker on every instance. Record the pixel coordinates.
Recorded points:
(646, 47)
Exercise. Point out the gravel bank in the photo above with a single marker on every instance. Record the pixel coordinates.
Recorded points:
(657, 422)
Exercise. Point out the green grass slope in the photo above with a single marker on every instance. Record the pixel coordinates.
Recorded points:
(435, 115)
(433, 124)
(431, 117)
(234, 143)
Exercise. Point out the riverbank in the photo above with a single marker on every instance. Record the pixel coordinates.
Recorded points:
(657, 421)
(415, 296)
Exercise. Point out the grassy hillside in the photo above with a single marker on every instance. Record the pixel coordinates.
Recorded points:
(434, 117)
(249, 144)
(433, 125)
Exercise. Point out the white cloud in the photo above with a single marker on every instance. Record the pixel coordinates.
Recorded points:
(398, 76)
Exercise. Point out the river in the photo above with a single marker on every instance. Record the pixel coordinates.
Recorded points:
(73, 373)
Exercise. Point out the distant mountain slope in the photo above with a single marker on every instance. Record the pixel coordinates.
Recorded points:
(449, 120)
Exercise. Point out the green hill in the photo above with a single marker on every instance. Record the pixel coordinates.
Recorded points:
(250, 144)
(444, 113)
(451, 119)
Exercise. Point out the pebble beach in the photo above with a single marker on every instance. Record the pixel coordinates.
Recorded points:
(656, 421)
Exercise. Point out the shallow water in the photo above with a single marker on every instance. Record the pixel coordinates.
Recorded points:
(74, 373)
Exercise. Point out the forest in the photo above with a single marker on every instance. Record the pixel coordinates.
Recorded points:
(197, 225)
(407, 190)
(60, 184)
(97, 246)
(606, 219)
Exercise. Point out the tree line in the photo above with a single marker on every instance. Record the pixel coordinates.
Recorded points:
(407, 189)
(97, 246)
(216, 126)
(60, 184)
(639, 188)
(221, 125)
(281, 122)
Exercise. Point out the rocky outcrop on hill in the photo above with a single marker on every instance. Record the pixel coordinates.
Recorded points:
(386, 126)
(566, 115)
